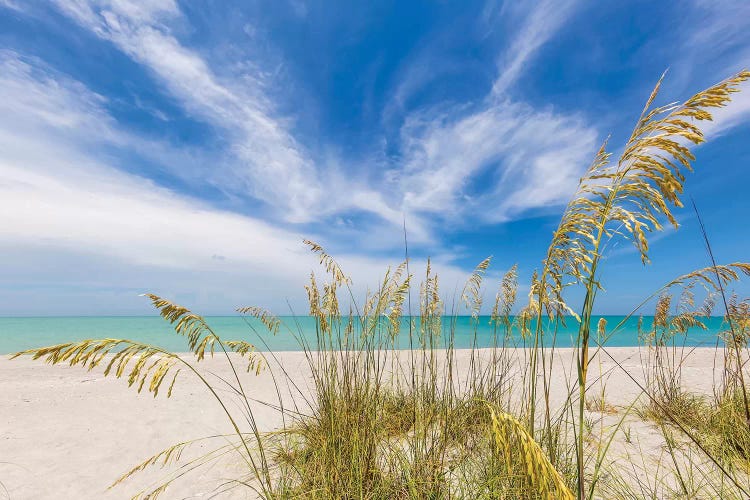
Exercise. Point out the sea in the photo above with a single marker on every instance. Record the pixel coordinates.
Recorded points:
(22, 333)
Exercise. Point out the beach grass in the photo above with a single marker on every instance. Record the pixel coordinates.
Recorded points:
(386, 420)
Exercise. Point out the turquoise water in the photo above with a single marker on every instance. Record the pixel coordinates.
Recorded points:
(17, 334)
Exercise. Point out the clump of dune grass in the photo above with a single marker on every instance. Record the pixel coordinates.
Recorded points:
(726, 428)
(383, 421)
(421, 432)
(720, 421)
(665, 350)
(718, 424)
(600, 405)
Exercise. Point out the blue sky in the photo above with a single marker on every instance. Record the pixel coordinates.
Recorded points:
(186, 148)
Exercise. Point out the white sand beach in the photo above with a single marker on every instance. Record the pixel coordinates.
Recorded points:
(66, 433)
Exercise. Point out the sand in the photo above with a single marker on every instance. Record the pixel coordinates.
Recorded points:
(68, 433)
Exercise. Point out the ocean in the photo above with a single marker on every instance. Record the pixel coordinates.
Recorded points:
(21, 333)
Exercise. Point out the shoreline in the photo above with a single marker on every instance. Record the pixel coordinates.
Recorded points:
(25, 333)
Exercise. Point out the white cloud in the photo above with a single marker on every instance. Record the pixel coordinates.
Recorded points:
(526, 157)
(11, 4)
(440, 157)
(537, 27)
(32, 96)
(299, 7)
(734, 114)
(531, 159)
(73, 225)
(39, 100)
(716, 38)
(267, 161)
(142, 236)
(264, 147)
(496, 159)
(723, 24)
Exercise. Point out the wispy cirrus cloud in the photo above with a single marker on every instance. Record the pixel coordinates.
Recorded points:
(103, 228)
(529, 158)
(442, 153)
(495, 159)
(11, 4)
(537, 25)
(267, 160)
(265, 149)
(719, 40)
(723, 24)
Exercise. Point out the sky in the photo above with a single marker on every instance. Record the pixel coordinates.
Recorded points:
(187, 148)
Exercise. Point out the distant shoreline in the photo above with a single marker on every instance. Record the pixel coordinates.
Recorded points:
(22, 333)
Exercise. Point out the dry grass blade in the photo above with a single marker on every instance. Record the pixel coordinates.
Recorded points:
(270, 321)
(532, 309)
(628, 199)
(568, 254)
(430, 304)
(163, 458)
(601, 328)
(418, 427)
(505, 298)
(330, 265)
(313, 298)
(397, 293)
(471, 295)
(150, 495)
(661, 315)
(712, 277)
(246, 349)
(185, 322)
(166, 457)
(539, 474)
(140, 362)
